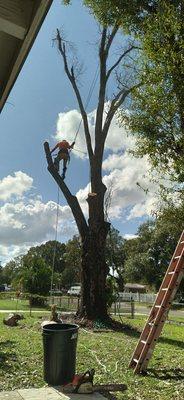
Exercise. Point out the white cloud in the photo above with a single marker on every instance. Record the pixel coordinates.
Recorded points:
(15, 185)
(128, 177)
(35, 221)
(130, 236)
(123, 169)
(68, 123)
(25, 224)
(67, 126)
(8, 253)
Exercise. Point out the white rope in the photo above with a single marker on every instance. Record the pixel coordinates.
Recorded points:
(56, 233)
(88, 98)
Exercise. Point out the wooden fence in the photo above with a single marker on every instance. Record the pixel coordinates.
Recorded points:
(71, 303)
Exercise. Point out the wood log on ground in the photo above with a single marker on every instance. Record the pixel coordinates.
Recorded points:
(12, 319)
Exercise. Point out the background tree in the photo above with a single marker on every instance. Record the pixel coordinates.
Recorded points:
(148, 255)
(71, 275)
(11, 270)
(115, 256)
(94, 232)
(158, 123)
(130, 15)
(47, 251)
(1, 275)
(35, 275)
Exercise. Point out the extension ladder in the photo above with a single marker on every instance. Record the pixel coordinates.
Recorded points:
(159, 311)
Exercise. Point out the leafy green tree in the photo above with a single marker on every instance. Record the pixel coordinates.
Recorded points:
(148, 255)
(139, 263)
(130, 14)
(35, 275)
(72, 258)
(1, 275)
(11, 270)
(115, 256)
(68, 277)
(49, 251)
(158, 110)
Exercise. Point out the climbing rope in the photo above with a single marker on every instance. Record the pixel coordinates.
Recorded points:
(88, 97)
(55, 246)
(80, 151)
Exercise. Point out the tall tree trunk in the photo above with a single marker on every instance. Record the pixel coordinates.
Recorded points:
(94, 267)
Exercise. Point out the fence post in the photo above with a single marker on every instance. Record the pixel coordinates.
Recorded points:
(115, 307)
(30, 306)
(132, 308)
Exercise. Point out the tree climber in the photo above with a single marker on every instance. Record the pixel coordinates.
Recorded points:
(63, 154)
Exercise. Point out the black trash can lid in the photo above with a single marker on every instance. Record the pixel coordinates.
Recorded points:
(60, 327)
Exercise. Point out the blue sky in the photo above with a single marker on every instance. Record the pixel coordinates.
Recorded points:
(40, 94)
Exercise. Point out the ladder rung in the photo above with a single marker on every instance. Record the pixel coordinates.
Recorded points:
(154, 325)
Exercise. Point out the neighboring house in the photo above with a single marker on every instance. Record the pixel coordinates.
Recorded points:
(135, 288)
(20, 21)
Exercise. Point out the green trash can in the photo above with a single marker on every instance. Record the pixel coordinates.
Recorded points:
(59, 344)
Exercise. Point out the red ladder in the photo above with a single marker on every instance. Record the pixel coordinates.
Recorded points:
(159, 311)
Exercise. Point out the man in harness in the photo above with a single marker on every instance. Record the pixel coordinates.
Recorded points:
(63, 154)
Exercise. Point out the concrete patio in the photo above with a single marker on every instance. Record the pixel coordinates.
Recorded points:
(47, 393)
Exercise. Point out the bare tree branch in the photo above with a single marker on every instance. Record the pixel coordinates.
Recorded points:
(111, 38)
(71, 200)
(115, 104)
(120, 58)
(102, 88)
(71, 77)
(121, 96)
(105, 45)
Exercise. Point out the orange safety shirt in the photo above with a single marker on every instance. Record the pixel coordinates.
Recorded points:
(63, 145)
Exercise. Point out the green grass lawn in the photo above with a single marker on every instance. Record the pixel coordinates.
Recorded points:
(14, 305)
(21, 359)
(7, 304)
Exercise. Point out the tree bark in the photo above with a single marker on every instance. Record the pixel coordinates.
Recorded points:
(94, 268)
